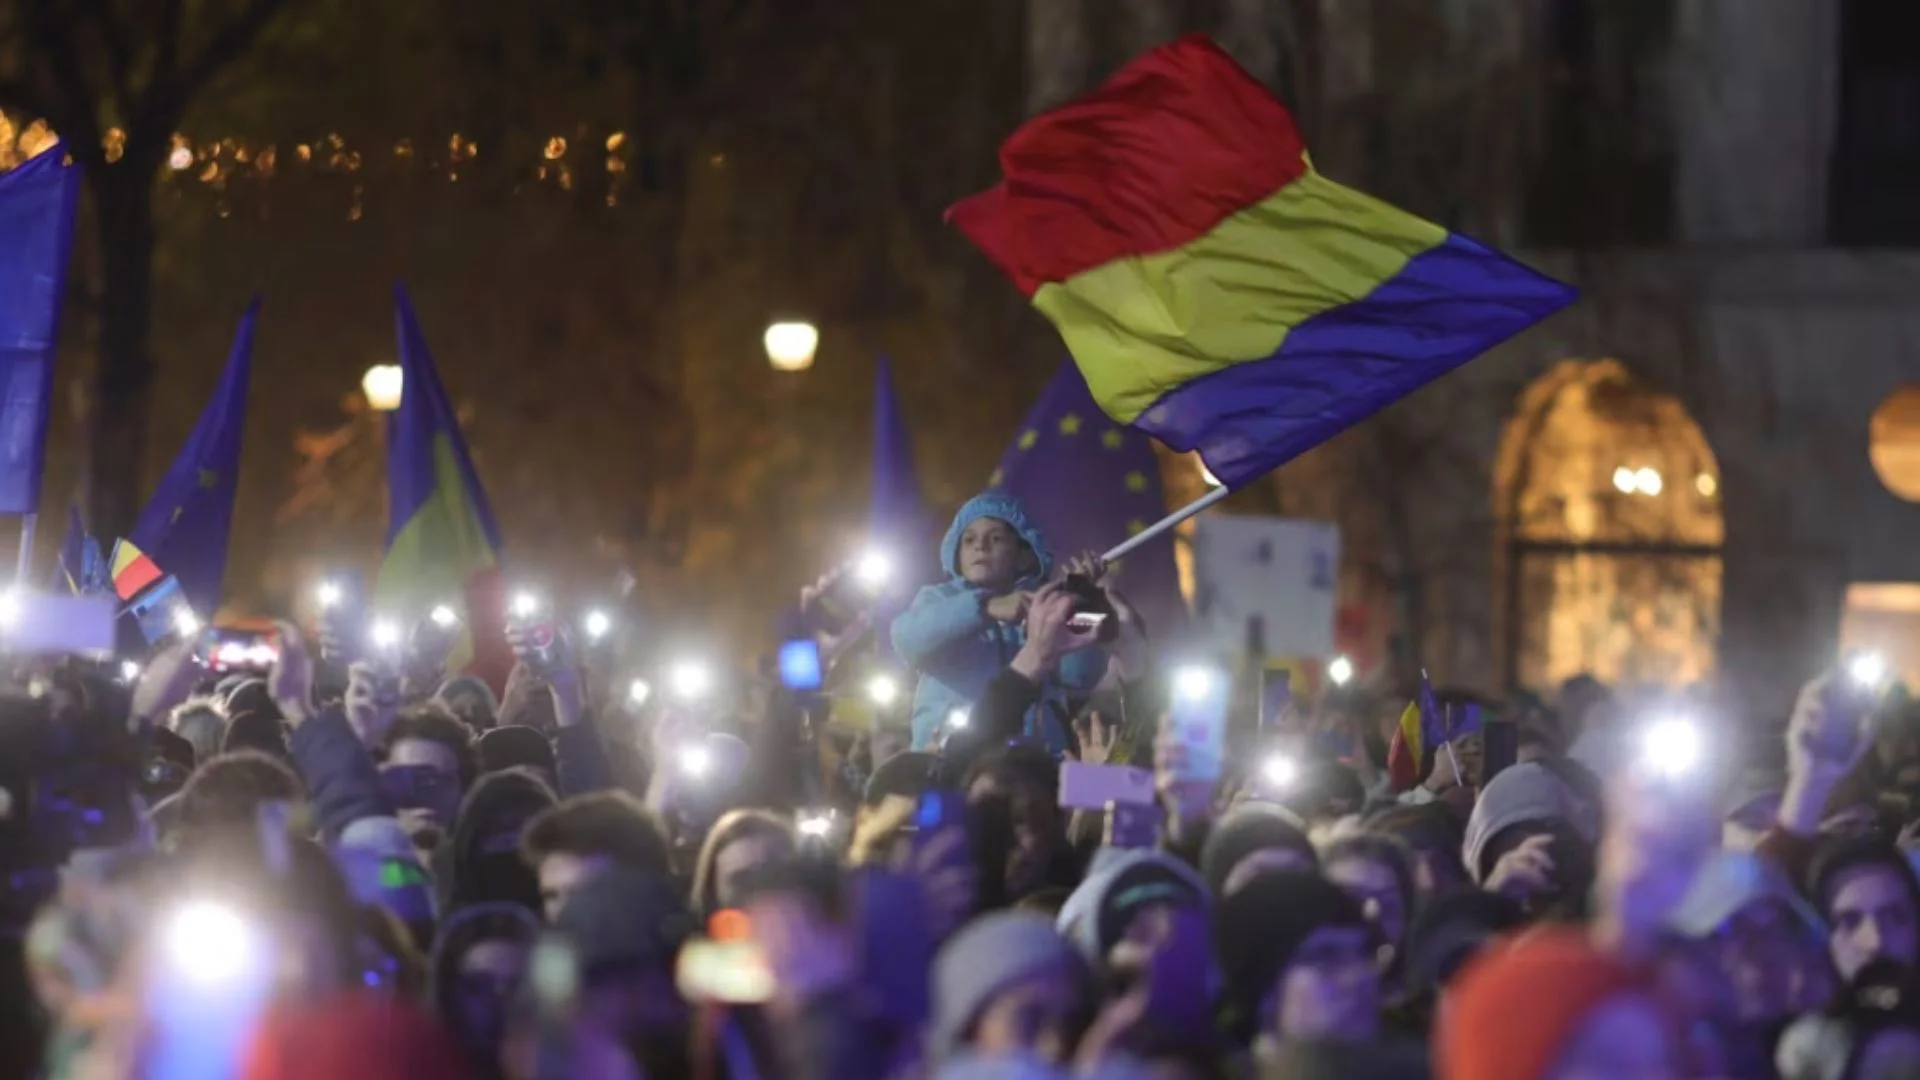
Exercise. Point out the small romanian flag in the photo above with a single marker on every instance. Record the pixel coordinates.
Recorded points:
(1424, 728)
(1217, 291)
(132, 570)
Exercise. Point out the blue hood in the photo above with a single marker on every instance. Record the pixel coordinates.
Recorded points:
(993, 504)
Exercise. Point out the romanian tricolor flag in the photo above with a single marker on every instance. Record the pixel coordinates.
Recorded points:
(132, 570)
(442, 543)
(1424, 728)
(1219, 293)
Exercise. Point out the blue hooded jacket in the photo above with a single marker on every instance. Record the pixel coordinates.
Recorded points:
(956, 649)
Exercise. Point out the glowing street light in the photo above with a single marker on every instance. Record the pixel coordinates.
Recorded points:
(1650, 482)
(382, 384)
(791, 345)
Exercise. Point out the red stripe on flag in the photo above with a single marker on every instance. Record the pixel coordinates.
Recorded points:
(1174, 143)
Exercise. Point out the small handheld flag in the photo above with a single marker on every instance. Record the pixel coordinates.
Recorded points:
(132, 570)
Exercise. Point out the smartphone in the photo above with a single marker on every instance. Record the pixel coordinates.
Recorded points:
(710, 972)
(939, 809)
(800, 667)
(224, 650)
(342, 599)
(1132, 826)
(1197, 710)
(1093, 787)
(48, 624)
(1276, 693)
(1499, 748)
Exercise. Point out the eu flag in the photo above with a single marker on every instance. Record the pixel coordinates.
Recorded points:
(36, 233)
(82, 571)
(896, 517)
(186, 524)
(1090, 483)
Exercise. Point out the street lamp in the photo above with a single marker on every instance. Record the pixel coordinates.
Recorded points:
(382, 384)
(790, 345)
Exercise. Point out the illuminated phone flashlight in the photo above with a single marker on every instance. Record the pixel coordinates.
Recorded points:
(129, 670)
(690, 680)
(329, 594)
(1279, 771)
(525, 605)
(1340, 671)
(1672, 747)
(597, 624)
(385, 634)
(1193, 683)
(638, 692)
(185, 622)
(818, 826)
(872, 570)
(958, 719)
(444, 616)
(1868, 670)
(883, 690)
(10, 604)
(696, 760)
(210, 944)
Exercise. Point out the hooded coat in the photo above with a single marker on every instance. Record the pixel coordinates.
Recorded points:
(479, 861)
(946, 637)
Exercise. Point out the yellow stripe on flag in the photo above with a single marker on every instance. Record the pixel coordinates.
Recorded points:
(1140, 327)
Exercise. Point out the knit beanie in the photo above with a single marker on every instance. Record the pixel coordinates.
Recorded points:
(1512, 1010)
(382, 868)
(1242, 832)
(362, 1036)
(989, 955)
(1119, 886)
(1257, 930)
(1529, 791)
(515, 745)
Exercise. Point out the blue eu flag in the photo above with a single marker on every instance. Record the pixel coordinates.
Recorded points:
(184, 527)
(36, 232)
(1090, 483)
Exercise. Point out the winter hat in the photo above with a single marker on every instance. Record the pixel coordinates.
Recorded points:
(1121, 884)
(907, 774)
(625, 921)
(471, 686)
(382, 868)
(363, 1036)
(1728, 882)
(1258, 928)
(1513, 1009)
(1002, 507)
(515, 745)
(1449, 930)
(1840, 855)
(1243, 831)
(989, 955)
(1529, 791)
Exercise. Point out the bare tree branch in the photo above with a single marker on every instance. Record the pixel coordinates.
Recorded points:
(170, 95)
(119, 55)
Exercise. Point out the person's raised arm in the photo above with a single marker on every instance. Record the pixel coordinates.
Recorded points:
(342, 781)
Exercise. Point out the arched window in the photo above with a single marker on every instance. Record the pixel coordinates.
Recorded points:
(1608, 498)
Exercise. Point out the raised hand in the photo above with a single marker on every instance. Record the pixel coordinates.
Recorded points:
(290, 682)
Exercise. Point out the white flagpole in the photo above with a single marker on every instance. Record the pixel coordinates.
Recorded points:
(1166, 523)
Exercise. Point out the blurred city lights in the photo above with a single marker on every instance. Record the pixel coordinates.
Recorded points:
(791, 345)
(383, 385)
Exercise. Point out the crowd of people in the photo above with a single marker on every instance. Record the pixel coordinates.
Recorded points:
(347, 865)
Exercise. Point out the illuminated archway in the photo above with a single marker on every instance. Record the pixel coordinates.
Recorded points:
(1610, 521)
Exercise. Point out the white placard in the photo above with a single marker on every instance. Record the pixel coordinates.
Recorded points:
(1279, 574)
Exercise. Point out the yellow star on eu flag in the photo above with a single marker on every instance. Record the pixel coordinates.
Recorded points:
(1136, 526)
(998, 475)
(1112, 439)
(1028, 438)
(209, 478)
(1070, 424)
(1137, 482)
